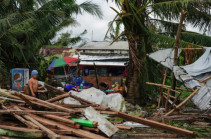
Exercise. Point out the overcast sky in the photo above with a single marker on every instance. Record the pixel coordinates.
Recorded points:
(98, 26)
(92, 23)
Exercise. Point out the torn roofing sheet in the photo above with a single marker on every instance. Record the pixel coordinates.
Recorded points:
(202, 65)
(165, 57)
(191, 75)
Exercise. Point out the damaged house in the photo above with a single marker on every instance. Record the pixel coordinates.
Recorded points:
(195, 76)
(103, 63)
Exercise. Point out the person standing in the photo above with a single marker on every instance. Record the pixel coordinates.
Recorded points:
(33, 84)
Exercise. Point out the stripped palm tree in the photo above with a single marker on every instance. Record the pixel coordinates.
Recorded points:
(150, 23)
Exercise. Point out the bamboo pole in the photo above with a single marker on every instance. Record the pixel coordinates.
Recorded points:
(47, 104)
(27, 123)
(164, 86)
(182, 103)
(32, 112)
(173, 83)
(50, 133)
(161, 89)
(166, 104)
(78, 132)
(57, 98)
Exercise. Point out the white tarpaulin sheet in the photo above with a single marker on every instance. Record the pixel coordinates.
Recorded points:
(202, 65)
(114, 101)
(165, 57)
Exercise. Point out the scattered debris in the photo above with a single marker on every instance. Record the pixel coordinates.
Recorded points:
(62, 120)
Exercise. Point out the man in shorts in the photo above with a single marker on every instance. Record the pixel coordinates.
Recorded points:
(33, 84)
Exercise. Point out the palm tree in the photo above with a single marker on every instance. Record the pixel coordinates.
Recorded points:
(115, 32)
(27, 25)
(150, 23)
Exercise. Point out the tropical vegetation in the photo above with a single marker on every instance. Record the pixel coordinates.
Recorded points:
(27, 25)
(149, 23)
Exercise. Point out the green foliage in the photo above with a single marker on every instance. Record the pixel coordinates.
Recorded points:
(150, 23)
(4, 75)
(42, 68)
(27, 25)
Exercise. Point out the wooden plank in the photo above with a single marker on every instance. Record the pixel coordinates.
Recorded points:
(3, 93)
(161, 89)
(26, 130)
(32, 112)
(123, 127)
(156, 125)
(21, 119)
(47, 104)
(14, 100)
(78, 132)
(19, 134)
(57, 98)
(26, 100)
(49, 133)
(164, 86)
(64, 120)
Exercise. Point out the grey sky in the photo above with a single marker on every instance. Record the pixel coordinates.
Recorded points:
(89, 22)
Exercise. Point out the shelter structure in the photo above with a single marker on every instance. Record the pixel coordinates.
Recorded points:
(103, 62)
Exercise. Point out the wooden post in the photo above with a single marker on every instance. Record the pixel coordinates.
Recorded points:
(176, 46)
(166, 104)
(96, 76)
(161, 89)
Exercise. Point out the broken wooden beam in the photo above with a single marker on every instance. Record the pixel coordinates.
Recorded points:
(32, 112)
(49, 133)
(164, 86)
(63, 120)
(21, 119)
(156, 125)
(47, 104)
(13, 100)
(3, 93)
(182, 103)
(57, 98)
(20, 132)
(78, 132)
(123, 127)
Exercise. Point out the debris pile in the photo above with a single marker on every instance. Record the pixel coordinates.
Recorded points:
(38, 118)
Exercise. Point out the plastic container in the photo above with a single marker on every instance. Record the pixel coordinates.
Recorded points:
(82, 122)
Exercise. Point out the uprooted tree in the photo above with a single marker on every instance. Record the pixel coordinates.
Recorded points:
(149, 23)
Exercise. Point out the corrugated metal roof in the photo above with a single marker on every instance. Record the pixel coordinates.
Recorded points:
(90, 57)
(120, 45)
(101, 63)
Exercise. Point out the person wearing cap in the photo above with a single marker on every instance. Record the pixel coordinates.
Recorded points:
(33, 84)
